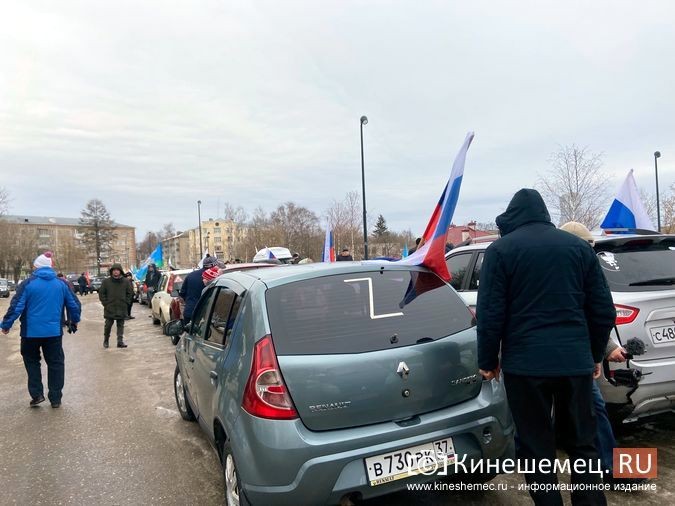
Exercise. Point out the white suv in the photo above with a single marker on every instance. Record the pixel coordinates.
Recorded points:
(640, 271)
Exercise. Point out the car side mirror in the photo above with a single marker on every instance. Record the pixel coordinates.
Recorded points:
(174, 328)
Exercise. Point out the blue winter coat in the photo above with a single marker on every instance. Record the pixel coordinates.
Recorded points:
(39, 302)
(191, 291)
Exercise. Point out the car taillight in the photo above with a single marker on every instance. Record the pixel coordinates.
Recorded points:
(266, 394)
(625, 314)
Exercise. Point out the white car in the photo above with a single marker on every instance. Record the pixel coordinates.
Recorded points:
(168, 288)
(274, 254)
(640, 271)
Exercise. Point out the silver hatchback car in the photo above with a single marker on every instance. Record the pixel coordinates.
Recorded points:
(324, 382)
(640, 270)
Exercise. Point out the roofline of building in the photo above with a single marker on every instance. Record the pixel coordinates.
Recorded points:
(44, 220)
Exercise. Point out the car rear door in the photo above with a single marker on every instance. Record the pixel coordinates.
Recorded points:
(196, 330)
(211, 347)
(370, 347)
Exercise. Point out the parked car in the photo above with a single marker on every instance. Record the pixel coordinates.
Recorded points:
(167, 292)
(95, 283)
(72, 278)
(640, 271)
(315, 383)
(4, 288)
(12, 285)
(273, 255)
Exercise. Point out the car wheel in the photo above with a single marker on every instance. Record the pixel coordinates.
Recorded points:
(155, 320)
(175, 340)
(233, 494)
(181, 397)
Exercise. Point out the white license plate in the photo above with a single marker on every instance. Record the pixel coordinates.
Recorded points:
(663, 335)
(427, 458)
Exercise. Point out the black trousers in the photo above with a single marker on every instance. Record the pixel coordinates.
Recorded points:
(129, 308)
(53, 352)
(108, 327)
(532, 400)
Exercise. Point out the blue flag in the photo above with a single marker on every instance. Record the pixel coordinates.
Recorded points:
(154, 258)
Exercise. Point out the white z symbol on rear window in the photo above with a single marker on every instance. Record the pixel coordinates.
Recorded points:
(373, 316)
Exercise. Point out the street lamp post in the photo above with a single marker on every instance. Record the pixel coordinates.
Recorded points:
(364, 121)
(199, 214)
(657, 155)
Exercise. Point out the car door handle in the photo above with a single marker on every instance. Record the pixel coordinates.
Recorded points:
(213, 375)
(191, 358)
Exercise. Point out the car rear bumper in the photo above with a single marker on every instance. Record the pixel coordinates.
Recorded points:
(282, 462)
(655, 391)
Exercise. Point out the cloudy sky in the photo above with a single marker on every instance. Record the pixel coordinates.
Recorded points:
(153, 105)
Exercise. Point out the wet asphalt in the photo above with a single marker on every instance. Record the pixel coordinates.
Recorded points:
(118, 438)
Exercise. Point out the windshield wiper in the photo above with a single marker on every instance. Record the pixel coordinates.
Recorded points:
(657, 281)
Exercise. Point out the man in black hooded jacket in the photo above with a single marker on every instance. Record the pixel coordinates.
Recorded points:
(544, 301)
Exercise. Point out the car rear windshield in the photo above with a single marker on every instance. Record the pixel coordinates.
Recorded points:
(639, 265)
(362, 312)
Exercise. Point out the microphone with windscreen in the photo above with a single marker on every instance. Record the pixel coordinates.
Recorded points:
(634, 347)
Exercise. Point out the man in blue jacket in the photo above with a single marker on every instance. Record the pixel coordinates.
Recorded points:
(39, 302)
(192, 288)
(545, 304)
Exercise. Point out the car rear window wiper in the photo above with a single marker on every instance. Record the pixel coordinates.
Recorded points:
(657, 281)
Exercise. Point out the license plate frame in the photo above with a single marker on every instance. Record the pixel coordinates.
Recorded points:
(659, 338)
(407, 462)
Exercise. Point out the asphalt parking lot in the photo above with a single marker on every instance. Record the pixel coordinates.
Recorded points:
(118, 438)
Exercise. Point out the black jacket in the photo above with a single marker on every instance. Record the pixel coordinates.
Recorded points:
(115, 295)
(152, 277)
(542, 296)
(190, 291)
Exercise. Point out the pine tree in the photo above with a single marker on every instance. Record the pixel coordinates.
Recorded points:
(380, 229)
(98, 229)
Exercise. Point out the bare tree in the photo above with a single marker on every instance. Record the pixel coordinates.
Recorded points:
(237, 216)
(344, 217)
(575, 186)
(668, 211)
(4, 201)
(98, 230)
(295, 227)
(168, 230)
(18, 247)
(649, 200)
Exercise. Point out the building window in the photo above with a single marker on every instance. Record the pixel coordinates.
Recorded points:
(218, 240)
(216, 230)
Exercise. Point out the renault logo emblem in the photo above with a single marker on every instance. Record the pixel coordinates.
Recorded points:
(403, 370)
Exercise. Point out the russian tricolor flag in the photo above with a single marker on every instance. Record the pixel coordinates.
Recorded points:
(329, 247)
(432, 253)
(628, 211)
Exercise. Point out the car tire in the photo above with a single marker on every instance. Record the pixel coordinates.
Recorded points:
(233, 493)
(155, 321)
(180, 393)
